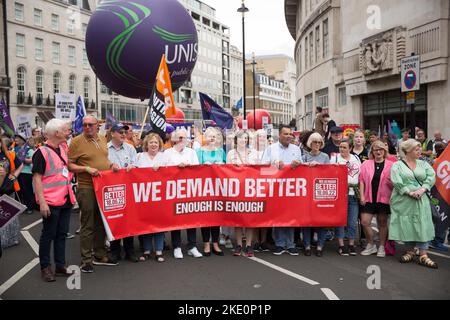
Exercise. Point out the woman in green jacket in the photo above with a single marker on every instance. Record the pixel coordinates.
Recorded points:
(411, 219)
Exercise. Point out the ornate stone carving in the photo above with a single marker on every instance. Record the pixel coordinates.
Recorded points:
(377, 54)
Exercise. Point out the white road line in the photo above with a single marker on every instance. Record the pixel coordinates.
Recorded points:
(285, 271)
(32, 225)
(438, 254)
(33, 244)
(22, 272)
(329, 294)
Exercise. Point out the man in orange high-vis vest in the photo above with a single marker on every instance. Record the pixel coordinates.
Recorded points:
(54, 194)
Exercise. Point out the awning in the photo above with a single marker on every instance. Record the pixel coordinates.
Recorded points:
(45, 116)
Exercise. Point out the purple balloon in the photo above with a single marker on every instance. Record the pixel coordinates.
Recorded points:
(125, 40)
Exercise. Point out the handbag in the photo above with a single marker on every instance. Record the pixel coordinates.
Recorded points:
(389, 248)
(434, 211)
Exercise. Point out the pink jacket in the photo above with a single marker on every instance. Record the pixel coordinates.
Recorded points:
(385, 187)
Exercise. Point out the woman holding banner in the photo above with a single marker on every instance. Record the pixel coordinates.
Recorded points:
(152, 157)
(241, 154)
(315, 157)
(411, 217)
(354, 166)
(182, 156)
(376, 189)
(212, 153)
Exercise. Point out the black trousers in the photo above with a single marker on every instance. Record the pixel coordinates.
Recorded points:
(211, 232)
(26, 190)
(127, 245)
(191, 237)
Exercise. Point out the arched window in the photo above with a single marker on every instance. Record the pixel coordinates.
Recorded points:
(39, 86)
(56, 82)
(21, 75)
(86, 86)
(72, 83)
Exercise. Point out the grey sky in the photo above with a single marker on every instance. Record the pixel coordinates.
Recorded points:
(265, 26)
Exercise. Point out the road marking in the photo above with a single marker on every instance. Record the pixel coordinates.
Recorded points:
(32, 225)
(33, 244)
(329, 294)
(439, 254)
(22, 272)
(285, 271)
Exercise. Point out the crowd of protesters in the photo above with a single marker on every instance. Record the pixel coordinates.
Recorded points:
(388, 180)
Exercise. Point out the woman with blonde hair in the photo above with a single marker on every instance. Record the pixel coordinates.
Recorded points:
(375, 188)
(211, 153)
(312, 158)
(411, 217)
(152, 157)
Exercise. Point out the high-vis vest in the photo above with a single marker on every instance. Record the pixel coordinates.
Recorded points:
(11, 155)
(55, 184)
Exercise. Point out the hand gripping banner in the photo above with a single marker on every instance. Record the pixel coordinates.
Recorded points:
(171, 198)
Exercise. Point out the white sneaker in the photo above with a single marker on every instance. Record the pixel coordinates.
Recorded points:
(222, 241)
(195, 253)
(370, 249)
(228, 244)
(177, 253)
(381, 253)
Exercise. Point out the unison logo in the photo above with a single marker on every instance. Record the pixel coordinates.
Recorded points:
(127, 39)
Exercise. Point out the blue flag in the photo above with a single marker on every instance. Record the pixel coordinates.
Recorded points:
(239, 104)
(110, 120)
(80, 113)
(212, 111)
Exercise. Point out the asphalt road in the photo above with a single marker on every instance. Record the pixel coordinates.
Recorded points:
(265, 277)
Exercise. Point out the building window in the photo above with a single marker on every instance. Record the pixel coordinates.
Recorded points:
(39, 49)
(56, 82)
(39, 87)
(38, 17)
(325, 38)
(56, 50)
(306, 53)
(71, 59)
(317, 43)
(342, 97)
(21, 75)
(20, 45)
(55, 22)
(70, 25)
(308, 113)
(322, 98)
(18, 11)
(86, 85)
(83, 29)
(311, 49)
(72, 83)
(85, 59)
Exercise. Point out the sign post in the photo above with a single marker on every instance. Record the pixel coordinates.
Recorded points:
(411, 82)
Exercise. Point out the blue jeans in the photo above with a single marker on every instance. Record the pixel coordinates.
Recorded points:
(321, 233)
(419, 245)
(284, 237)
(147, 240)
(352, 219)
(55, 229)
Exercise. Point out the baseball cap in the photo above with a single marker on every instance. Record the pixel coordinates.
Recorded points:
(119, 126)
(169, 128)
(336, 130)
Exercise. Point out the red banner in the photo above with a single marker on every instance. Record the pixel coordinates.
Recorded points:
(147, 201)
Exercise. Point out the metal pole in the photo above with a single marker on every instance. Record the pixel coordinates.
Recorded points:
(243, 66)
(254, 93)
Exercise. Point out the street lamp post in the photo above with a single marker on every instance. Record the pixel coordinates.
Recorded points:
(254, 91)
(243, 9)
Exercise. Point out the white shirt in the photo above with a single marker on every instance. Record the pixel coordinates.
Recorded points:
(248, 157)
(277, 152)
(353, 166)
(174, 158)
(144, 161)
